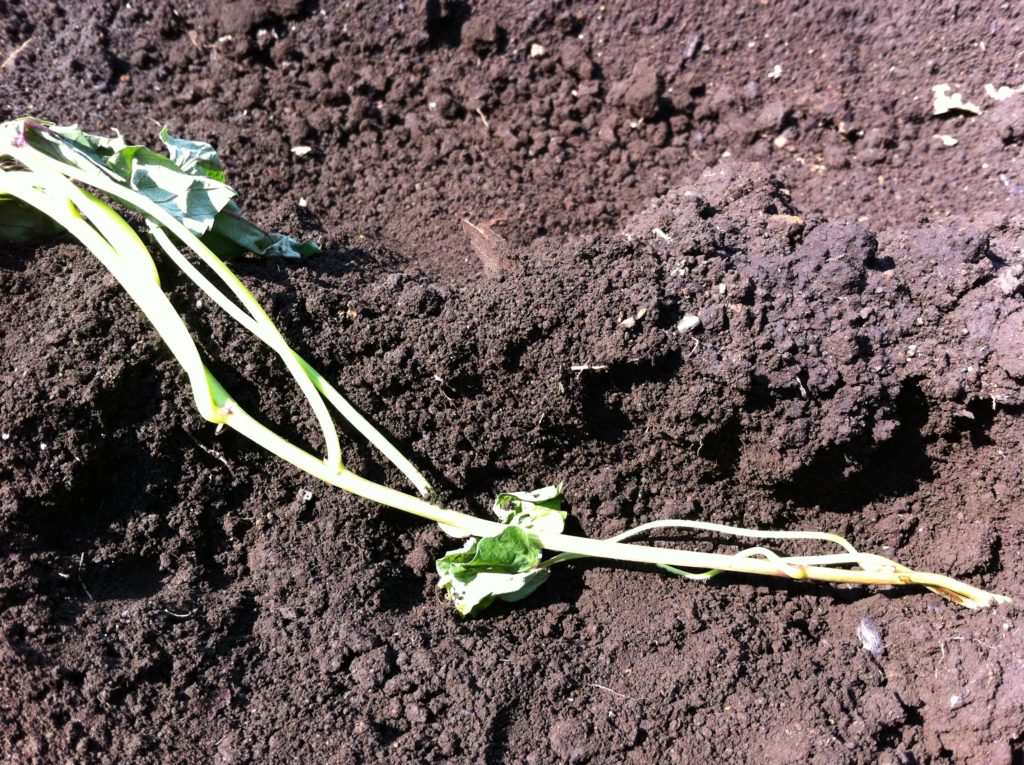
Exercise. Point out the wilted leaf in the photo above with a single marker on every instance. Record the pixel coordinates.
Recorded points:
(503, 566)
(189, 185)
(539, 511)
(195, 157)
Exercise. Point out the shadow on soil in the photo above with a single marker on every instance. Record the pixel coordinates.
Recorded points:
(896, 468)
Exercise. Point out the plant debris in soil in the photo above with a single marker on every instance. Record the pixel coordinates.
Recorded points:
(769, 345)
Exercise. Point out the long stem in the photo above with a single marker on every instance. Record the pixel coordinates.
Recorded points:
(309, 377)
(580, 546)
(146, 293)
(323, 387)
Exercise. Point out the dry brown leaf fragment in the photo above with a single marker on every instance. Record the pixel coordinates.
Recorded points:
(490, 247)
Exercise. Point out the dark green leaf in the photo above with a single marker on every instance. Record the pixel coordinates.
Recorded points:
(233, 234)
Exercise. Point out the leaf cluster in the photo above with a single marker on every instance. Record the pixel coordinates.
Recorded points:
(190, 184)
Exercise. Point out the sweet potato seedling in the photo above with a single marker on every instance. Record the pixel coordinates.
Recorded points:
(50, 179)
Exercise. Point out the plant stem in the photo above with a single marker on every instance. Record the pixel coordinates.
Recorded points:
(323, 387)
(312, 384)
(888, 573)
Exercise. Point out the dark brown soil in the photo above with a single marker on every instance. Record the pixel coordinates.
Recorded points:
(169, 595)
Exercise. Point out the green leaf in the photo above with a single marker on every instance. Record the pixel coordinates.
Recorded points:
(233, 234)
(195, 157)
(539, 511)
(189, 185)
(512, 551)
(78, 148)
(23, 223)
(193, 198)
(503, 566)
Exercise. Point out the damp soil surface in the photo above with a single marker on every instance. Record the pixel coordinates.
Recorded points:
(732, 268)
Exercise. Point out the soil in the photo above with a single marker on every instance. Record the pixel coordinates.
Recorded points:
(739, 278)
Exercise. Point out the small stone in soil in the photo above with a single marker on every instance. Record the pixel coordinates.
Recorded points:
(688, 323)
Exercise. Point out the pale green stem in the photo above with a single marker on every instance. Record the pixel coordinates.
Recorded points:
(272, 337)
(890, 574)
(853, 557)
(334, 398)
(40, 163)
